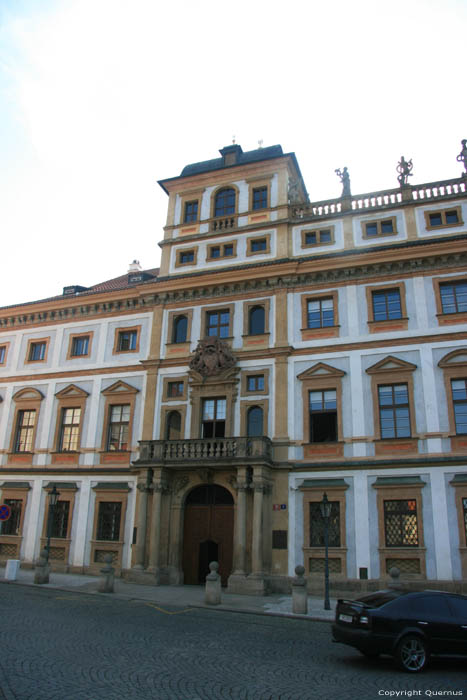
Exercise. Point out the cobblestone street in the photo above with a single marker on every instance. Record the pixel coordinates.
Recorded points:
(59, 645)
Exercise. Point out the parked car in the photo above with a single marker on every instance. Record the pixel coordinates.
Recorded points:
(408, 626)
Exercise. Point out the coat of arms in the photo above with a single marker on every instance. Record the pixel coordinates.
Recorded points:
(212, 356)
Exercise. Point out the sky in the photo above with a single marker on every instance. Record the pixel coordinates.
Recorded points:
(100, 99)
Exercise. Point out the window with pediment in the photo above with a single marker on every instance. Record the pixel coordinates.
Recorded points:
(393, 398)
(322, 403)
(454, 366)
(27, 408)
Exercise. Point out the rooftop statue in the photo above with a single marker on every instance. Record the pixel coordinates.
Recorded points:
(345, 179)
(462, 157)
(404, 168)
(294, 192)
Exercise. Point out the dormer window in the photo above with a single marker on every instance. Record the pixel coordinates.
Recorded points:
(224, 204)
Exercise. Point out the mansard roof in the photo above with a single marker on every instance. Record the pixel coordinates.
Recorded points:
(255, 156)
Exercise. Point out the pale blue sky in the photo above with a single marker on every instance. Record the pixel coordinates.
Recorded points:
(99, 99)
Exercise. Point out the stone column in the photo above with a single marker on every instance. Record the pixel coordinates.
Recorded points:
(239, 563)
(155, 539)
(140, 548)
(257, 544)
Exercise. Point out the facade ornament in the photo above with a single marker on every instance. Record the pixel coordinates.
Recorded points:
(404, 168)
(294, 192)
(462, 157)
(212, 356)
(206, 475)
(179, 484)
(344, 177)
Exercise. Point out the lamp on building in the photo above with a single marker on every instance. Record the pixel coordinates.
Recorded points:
(53, 499)
(325, 508)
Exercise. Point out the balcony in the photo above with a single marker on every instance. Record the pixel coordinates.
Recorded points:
(221, 450)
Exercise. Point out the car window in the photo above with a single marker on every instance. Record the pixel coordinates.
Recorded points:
(376, 600)
(459, 607)
(430, 605)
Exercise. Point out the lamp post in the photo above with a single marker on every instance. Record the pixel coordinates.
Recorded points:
(325, 508)
(53, 498)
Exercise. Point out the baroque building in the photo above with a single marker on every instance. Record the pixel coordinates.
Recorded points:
(284, 349)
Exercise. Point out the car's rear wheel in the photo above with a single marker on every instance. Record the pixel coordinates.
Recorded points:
(412, 653)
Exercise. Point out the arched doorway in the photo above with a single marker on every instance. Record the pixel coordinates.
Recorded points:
(207, 533)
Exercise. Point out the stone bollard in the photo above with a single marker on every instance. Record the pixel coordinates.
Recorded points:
(395, 583)
(299, 592)
(106, 582)
(12, 568)
(42, 568)
(212, 594)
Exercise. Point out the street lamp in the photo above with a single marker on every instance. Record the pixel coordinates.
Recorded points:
(53, 498)
(325, 508)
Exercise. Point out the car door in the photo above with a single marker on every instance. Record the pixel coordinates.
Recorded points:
(432, 614)
(458, 605)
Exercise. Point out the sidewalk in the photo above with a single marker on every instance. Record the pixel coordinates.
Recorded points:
(187, 596)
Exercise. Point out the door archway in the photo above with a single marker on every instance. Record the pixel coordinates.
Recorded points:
(207, 533)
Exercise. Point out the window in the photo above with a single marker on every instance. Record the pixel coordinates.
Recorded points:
(323, 416)
(12, 525)
(386, 304)
(80, 345)
(459, 400)
(69, 432)
(108, 521)
(180, 327)
(175, 389)
(453, 297)
(191, 212)
(394, 414)
(317, 525)
(381, 227)
(187, 256)
(443, 218)
(256, 320)
(224, 203)
(59, 527)
(174, 426)
(119, 423)
(218, 323)
(2, 354)
(254, 422)
(216, 252)
(400, 523)
(213, 418)
(255, 382)
(127, 341)
(37, 351)
(319, 237)
(25, 431)
(260, 198)
(258, 245)
(320, 313)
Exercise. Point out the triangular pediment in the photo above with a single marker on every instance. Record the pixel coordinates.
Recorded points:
(28, 394)
(71, 391)
(320, 370)
(456, 358)
(391, 364)
(119, 388)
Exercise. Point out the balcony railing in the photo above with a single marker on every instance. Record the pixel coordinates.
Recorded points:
(223, 223)
(219, 449)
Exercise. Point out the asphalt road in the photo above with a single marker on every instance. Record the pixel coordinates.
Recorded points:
(60, 645)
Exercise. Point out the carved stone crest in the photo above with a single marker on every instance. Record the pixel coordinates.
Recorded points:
(212, 356)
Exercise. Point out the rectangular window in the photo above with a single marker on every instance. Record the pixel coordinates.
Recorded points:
(453, 297)
(25, 431)
(37, 351)
(459, 399)
(127, 341)
(317, 525)
(400, 523)
(61, 514)
(394, 411)
(2, 354)
(381, 227)
(386, 305)
(255, 382)
(12, 525)
(187, 256)
(191, 212)
(174, 389)
(215, 252)
(118, 428)
(218, 323)
(213, 421)
(260, 198)
(69, 433)
(443, 218)
(258, 245)
(108, 521)
(80, 346)
(320, 313)
(319, 237)
(323, 416)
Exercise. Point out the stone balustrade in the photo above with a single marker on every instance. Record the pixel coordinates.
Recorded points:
(199, 450)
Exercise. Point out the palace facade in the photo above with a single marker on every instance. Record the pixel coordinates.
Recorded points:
(284, 349)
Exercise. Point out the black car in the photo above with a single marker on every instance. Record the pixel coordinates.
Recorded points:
(408, 626)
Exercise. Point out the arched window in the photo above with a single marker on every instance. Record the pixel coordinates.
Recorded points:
(180, 327)
(256, 320)
(174, 426)
(224, 204)
(254, 421)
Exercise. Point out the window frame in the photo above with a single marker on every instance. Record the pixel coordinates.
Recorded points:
(214, 196)
(245, 406)
(29, 429)
(442, 212)
(172, 316)
(442, 317)
(254, 373)
(454, 366)
(380, 325)
(186, 203)
(323, 331)
(222, 246)
(109, 492)
(323, 411)
(217, 309)
(179, 252)
(254, 239)
(379, 224)
(319, 232)
(26, 399)
(5, 347)
(167, 380)
(117, 342)
(117, 394)
(29, 349)
(322, 377)
(71, 396)
(166, 410)
(259, 188)
(71, 341)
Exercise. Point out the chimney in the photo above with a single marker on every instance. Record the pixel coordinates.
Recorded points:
(135, 266)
